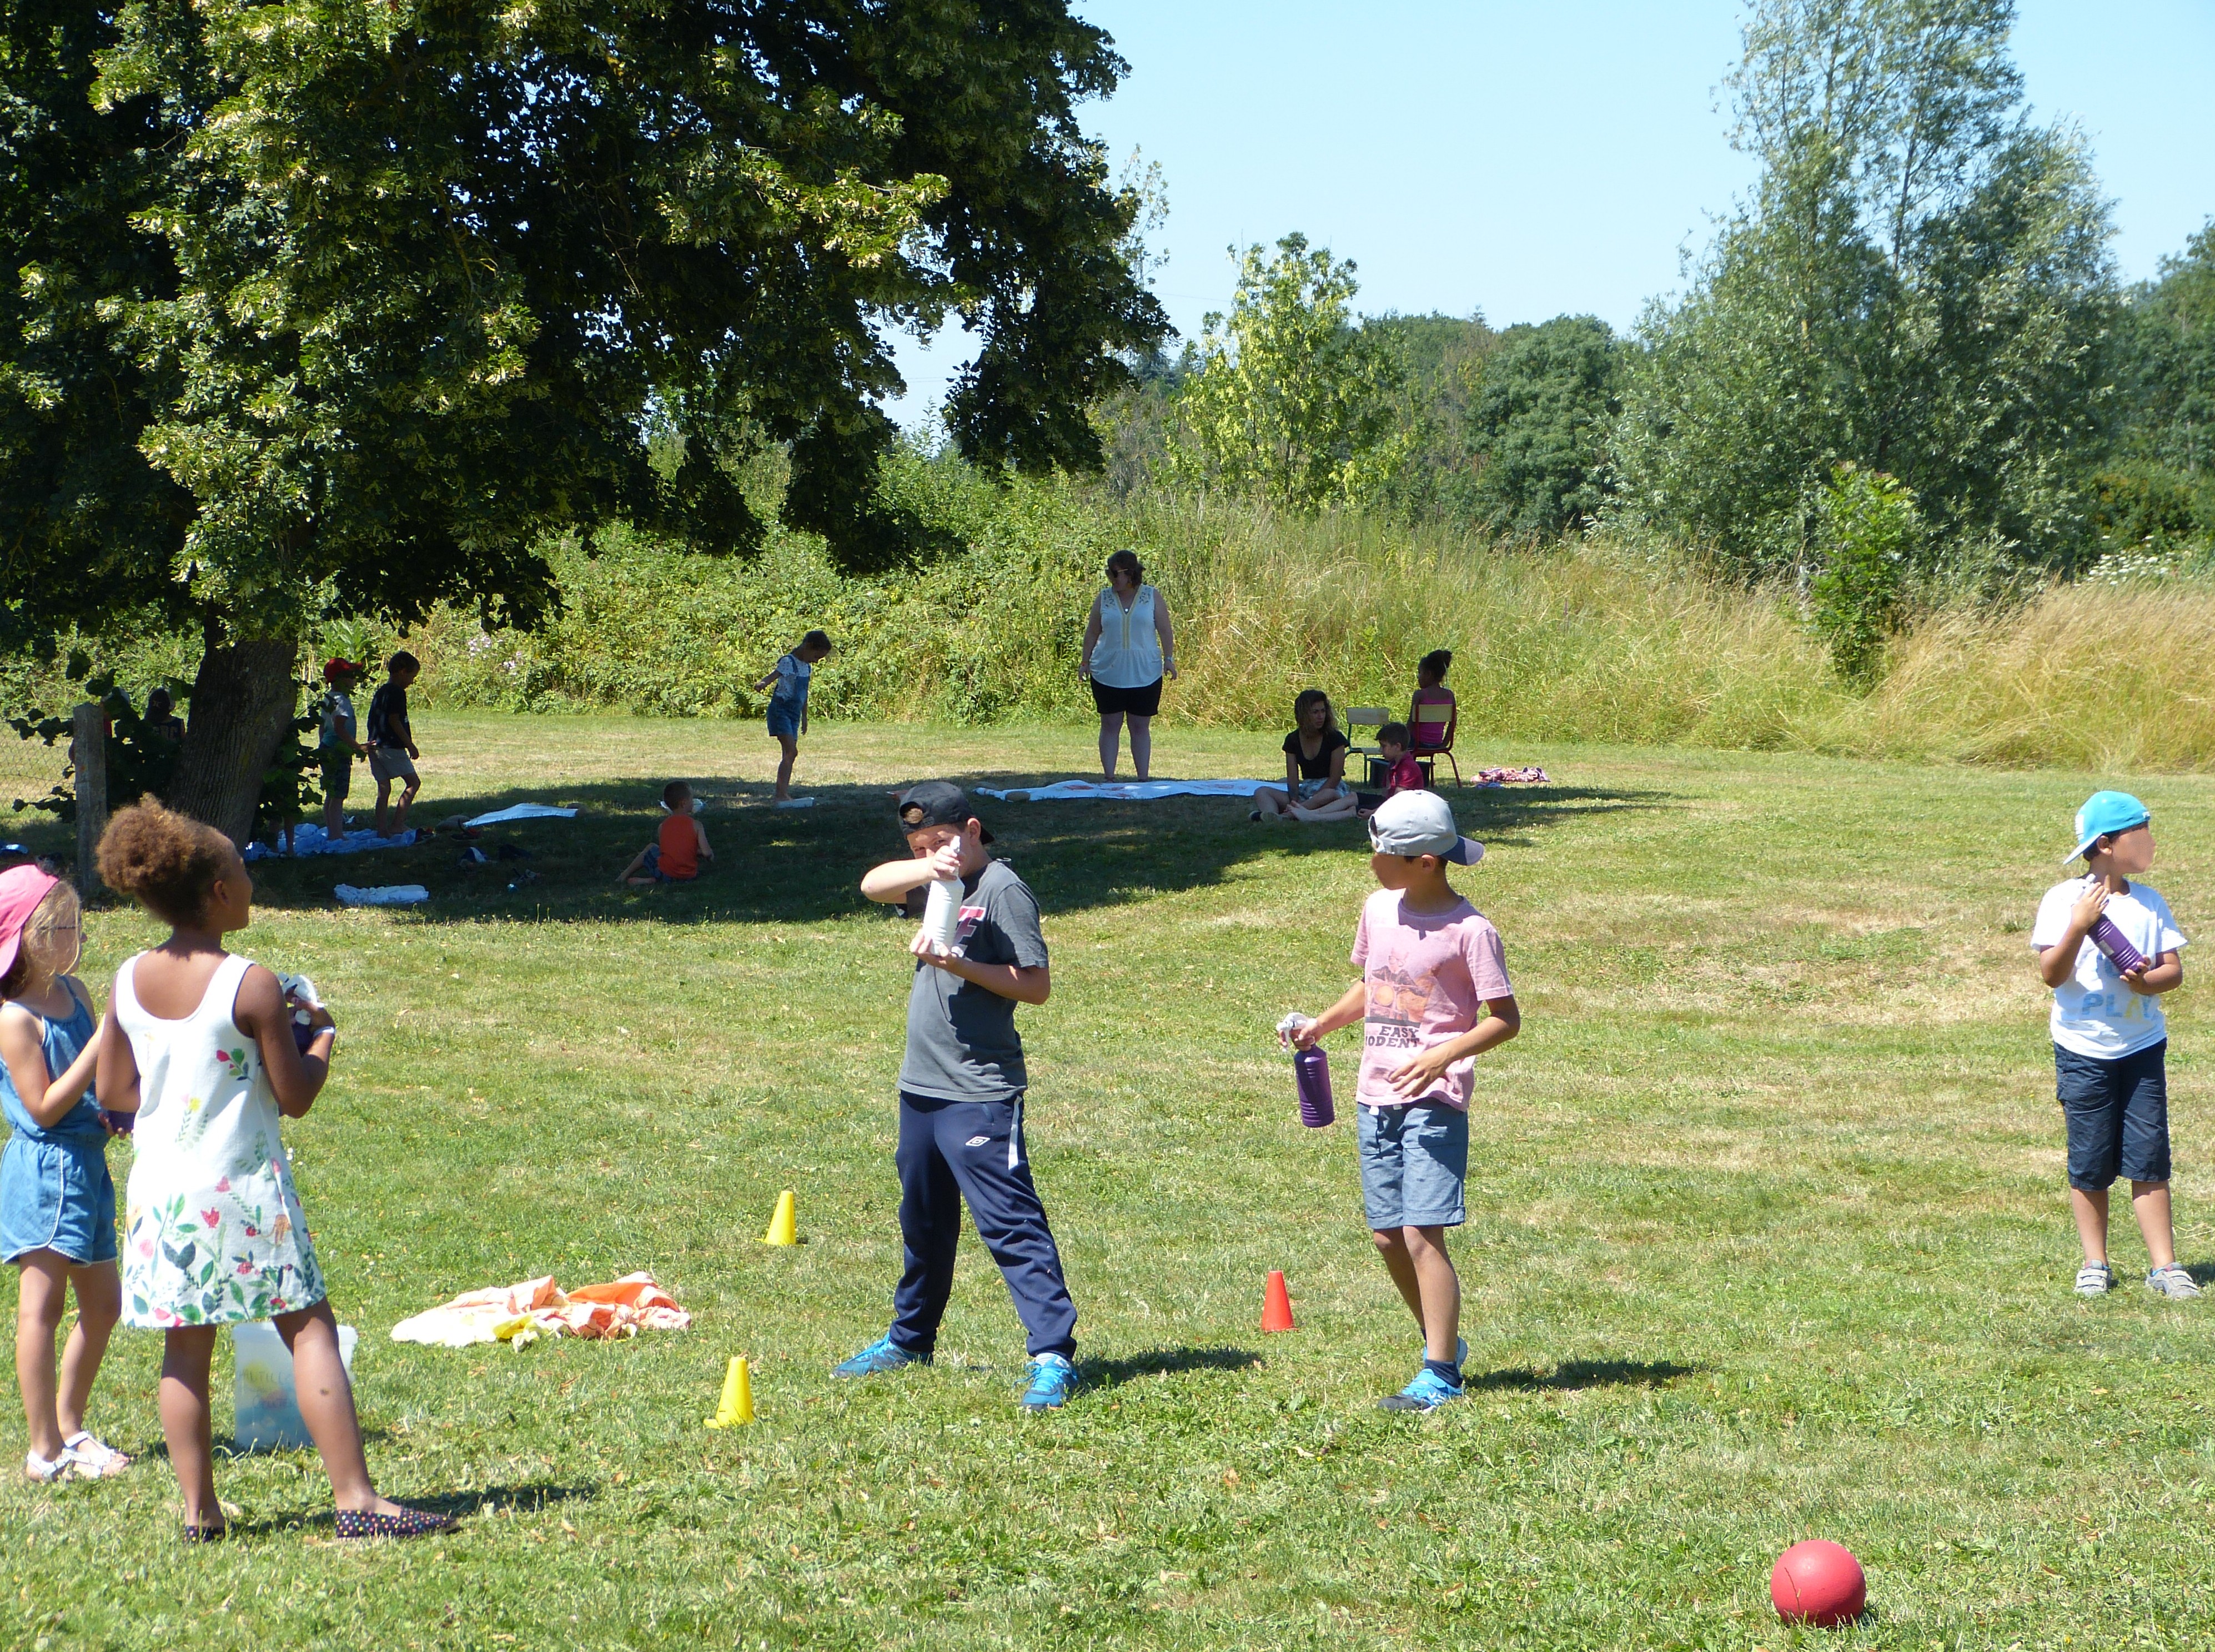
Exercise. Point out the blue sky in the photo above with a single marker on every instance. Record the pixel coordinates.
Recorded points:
(1532, 159)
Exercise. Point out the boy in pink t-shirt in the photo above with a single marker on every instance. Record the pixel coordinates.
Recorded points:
(1434, 995)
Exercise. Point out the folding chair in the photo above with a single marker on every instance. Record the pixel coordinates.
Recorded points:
(1432, 741)
(1371, 717)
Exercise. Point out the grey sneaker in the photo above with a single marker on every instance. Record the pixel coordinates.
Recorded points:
(2094, 1278)
(2172, 1282)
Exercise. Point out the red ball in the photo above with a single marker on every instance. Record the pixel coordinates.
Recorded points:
(1820, 1583)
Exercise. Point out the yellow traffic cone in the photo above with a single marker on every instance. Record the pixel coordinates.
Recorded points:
(784, 1226)
(737, 1405)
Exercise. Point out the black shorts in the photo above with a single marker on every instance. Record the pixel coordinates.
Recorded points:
(2117, 1115)
(1144, 702)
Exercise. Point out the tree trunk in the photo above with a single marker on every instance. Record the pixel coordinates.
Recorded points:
(242, 701)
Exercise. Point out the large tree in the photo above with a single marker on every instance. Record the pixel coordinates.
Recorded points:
(1919, 286)
(379, 292)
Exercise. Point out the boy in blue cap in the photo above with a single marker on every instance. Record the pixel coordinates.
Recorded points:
(961, 1097)
(2109, 947)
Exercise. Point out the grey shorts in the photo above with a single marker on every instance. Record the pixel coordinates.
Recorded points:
(1414, 1160)
(391, 763)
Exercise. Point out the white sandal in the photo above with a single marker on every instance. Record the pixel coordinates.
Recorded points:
(94, 1458)
(36, 1467)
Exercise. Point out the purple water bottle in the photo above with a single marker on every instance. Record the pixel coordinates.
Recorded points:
(2110, 940)
(1311, 1067)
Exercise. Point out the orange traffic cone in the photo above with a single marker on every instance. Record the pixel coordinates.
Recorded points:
(1276, 1303)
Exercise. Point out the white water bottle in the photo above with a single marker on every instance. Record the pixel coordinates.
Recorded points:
(941, 910)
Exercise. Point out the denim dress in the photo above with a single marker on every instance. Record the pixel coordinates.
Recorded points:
(55, 1191)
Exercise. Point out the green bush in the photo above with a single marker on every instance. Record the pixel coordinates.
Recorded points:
(1870, 539)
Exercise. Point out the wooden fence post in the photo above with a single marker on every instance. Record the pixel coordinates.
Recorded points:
(89, 753)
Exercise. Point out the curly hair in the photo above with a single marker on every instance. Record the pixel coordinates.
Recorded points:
(1308, 696)
(1129, 562)
(164, 861)
(1438, 662)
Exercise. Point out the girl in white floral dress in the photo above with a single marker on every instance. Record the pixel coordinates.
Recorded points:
(215, 1234)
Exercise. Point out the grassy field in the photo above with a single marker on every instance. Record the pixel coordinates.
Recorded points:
(1767, 1236)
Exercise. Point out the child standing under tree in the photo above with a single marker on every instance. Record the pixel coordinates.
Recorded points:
(57, 1201)
(788, 709)
(2110, 1039)
(337, 742)
(215, 1235)
(961, 1098)
(392, 753)
(1434, 996)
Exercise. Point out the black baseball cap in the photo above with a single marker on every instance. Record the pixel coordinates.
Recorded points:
(936, 802)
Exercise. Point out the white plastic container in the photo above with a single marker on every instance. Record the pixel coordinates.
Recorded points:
(267, 1401)
(941, 910)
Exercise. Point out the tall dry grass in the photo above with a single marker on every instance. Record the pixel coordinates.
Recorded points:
(1576, 643)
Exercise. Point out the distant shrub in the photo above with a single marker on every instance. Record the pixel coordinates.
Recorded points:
(1870, 538)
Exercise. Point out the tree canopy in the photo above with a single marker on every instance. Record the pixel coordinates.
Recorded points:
(341, 306)
(1920, 286)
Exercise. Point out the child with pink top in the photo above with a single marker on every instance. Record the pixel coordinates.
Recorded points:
(1434, 995)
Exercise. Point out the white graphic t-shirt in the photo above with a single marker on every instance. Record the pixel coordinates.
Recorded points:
(2095, 1013)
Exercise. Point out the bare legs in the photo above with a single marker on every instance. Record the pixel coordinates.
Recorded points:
(2149, 1203)
(326, 1406)
(53, 1414)
(1274, 805)
(1142, 743)
(400, 814)
(1416, 1258)
(790, 747)
(334, 814)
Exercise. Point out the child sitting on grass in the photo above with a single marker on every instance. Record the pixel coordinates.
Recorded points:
(1434, 996)
(1402, 771)
(788, 708)
(202, 1053)
(680, 845)
(56, 1200)
(2110, 1039)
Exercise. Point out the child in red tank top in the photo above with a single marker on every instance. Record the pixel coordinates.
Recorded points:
(679, 844)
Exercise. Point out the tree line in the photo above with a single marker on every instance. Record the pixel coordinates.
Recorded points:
(1905, 361)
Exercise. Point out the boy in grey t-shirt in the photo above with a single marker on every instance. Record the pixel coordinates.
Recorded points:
(961, 1097)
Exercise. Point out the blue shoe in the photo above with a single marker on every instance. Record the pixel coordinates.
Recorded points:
(1428, 1392)
(882, 1355)
(1050, 1380)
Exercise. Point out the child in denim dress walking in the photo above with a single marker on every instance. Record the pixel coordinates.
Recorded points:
(56, 1200)
(788, 709)
(203, 1054)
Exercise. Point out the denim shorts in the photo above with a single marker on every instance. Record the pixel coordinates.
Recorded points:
(783, 720)
(2117, 1115)
(1414, 1160)
(652, 867)
(56, 1196)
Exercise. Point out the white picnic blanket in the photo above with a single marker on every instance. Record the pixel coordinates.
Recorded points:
(388, 894)
(523, 811)
(1127, 791)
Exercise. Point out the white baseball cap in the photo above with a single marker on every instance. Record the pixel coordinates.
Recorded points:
(1422, 823)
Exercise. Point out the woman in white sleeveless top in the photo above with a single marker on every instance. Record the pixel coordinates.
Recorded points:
(215, 1235)
(1129, 646)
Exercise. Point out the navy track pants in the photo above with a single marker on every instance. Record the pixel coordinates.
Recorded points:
(953, 1151)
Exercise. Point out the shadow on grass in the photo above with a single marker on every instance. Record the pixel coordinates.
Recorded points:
(804, 865)
(530, 1498)
(1154, 1362)
(1585, 1373)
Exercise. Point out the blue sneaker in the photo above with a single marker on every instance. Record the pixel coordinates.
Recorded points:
(1428, 1392)
(881, 1355)
(1052, 1377)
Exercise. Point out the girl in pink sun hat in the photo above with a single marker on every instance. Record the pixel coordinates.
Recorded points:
(56, 1200)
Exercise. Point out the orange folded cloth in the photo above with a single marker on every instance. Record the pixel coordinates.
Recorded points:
(538, 1307)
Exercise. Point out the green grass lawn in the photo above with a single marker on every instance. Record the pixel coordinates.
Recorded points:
(1768, 1237)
